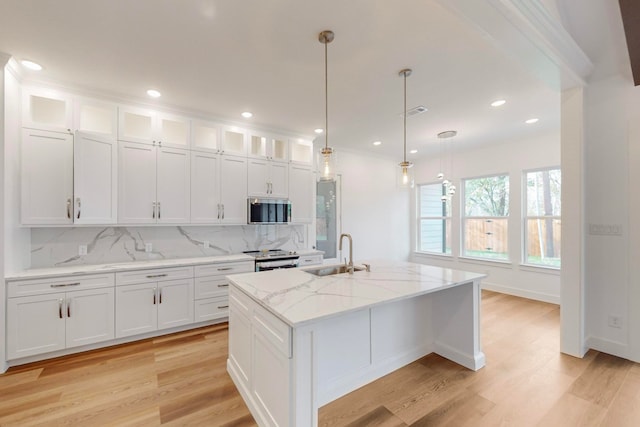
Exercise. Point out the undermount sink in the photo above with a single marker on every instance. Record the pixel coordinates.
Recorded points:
(328, 270)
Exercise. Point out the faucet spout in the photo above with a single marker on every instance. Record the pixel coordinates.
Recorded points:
(348, 236)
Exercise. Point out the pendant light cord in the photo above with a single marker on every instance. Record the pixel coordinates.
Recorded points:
(326, 97)
(405, 117)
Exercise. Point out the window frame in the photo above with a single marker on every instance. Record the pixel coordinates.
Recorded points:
(525, 219)
(464, 217)
(444, 218)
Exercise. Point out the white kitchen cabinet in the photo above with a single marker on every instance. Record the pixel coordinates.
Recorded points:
(95, 178)
(45, 315)
(267, 178)
(212, 288)
(151, 127)
(262, 146)
(46, 177)
(95, 117)
(233, 189)
(301, 193)
(46, 109)
(301, 151)
(218, 189)
(149, 300)
(205, 136)
(234, 141)
(312, 259)
(154, 184)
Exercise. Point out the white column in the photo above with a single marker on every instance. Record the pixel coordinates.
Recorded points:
(572, 340)
(4, 59)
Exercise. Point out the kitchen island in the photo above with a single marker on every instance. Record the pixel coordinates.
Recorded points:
(298, 341)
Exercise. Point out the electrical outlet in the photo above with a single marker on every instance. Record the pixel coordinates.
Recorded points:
(615, 321)
(148, 247)
(205, 244)
(82, 250)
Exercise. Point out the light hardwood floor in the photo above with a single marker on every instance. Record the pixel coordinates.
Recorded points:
(181, 379)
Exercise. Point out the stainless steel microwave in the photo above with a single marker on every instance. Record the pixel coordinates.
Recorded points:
(268, 211)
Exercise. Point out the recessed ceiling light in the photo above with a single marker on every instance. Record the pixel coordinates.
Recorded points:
(498, 103)
(447, 134)
(377, 142)
(247, 114)
(33, 66)
(531, 121)
(414, 151)
(319, 130)
(154, 93)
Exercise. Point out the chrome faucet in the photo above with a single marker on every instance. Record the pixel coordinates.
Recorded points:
(350, 265)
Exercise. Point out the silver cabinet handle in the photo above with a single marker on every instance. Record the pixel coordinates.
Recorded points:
(151, 276)
(69, 208)
(222, 211)
(225, 268)
(223, 286)
(158, 210)
(223, 306)
(218, 210)
(153, 215)
(154, 295)
(78, 202)
(60, 307)
(160, 293)
(68, 303)
(64, 285)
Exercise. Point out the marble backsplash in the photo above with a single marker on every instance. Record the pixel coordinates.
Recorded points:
(55, 247)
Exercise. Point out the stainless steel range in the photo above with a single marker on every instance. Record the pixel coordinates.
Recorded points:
(273, 259)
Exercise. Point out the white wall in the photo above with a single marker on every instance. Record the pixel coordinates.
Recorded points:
(512, 157)
(612, 113)
(374, 211)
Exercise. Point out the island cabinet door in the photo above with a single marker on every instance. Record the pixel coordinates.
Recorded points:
(240, 337)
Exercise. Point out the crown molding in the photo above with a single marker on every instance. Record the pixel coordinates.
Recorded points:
(528, 33)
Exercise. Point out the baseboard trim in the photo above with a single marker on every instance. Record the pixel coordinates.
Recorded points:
(523, 293)
(615, 348)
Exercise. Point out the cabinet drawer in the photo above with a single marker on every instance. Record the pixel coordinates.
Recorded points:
(22, 288)
(211, 286)
(224, 269)
(211, 308)
(153, 275)
(305, 260)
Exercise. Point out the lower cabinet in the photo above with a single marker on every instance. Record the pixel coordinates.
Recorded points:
(146, 307)
(46, 315)
(212, 288)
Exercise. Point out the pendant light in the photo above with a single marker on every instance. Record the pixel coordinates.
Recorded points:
(405, 179)
(326, 156)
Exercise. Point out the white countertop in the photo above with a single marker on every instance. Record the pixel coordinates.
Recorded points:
(38, 273)
(298, 297)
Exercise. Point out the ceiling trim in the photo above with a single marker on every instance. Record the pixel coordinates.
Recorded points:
(527, 32)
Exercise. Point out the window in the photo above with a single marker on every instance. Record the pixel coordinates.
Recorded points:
(434, 223)
(485, 220)
(542, 220)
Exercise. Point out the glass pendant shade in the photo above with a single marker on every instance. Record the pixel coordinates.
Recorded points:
(404, 175)
(327, 164)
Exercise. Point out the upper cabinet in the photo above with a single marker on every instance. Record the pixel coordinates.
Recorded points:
(95, 117)
(205, 136)
(234, 141)
(151, 127)
(262, 146)
(45, 109)
(301, 151)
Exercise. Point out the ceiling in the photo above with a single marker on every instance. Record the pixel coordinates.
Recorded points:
(225, 57)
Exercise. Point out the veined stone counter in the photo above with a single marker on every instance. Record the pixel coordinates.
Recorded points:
(298, 341)
(298, 297)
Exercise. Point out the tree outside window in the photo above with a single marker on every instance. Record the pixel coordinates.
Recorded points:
(485, 221)
(542, 222)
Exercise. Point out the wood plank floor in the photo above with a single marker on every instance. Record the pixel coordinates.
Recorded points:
(181, 379)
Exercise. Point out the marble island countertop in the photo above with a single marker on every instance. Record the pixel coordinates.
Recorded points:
(298, 297)
(37, 273)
